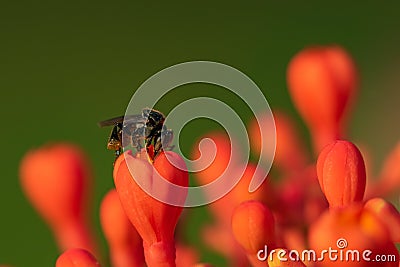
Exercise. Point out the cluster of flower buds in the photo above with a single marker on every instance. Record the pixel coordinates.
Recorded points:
(321, 207)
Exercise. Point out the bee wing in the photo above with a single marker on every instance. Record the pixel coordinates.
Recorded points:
(120, 119)
(111, 122)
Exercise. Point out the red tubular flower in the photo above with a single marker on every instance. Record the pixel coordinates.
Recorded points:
(388, 214)
(352, 229)
(254, 228)
(125, 244)
(155, 221)
(77, 258)
(322, 83)
(56, 180)
(341, 174)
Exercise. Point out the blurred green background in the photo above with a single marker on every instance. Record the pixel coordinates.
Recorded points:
(64, 66)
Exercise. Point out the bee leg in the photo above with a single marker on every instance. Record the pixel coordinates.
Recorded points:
(137, 138)
(157, 147)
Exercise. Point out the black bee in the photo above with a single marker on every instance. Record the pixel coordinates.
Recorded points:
(146, 129)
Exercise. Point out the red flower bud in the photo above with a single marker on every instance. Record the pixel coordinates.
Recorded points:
(77, 258)
(341, 173)
(125, 244)
(322, 82)
(56, 180)
(155, 221)
(253, 226)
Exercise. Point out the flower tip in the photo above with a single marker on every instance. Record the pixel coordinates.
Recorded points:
(77, 258)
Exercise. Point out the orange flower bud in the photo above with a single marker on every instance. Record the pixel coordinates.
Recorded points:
(322, 83)
(253, 227)
(203, 265)
(341, 174)
(125, 244)
(155, 221)
(388, 214)
(56, 179)
(281, 258)
(77, 258)
(347, 230)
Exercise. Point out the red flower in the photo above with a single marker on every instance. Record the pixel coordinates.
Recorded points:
(154, 220)
(56, 181)
(322, 83)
